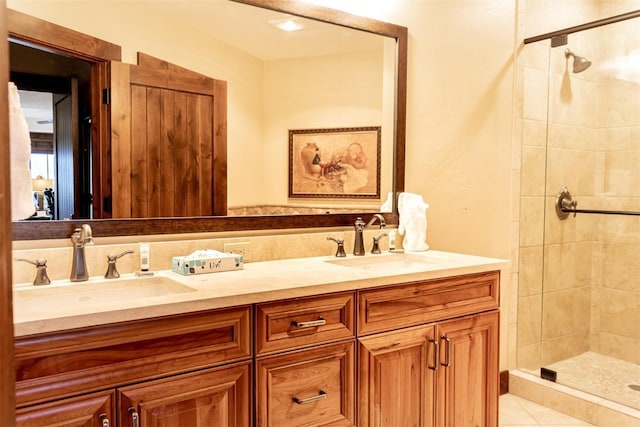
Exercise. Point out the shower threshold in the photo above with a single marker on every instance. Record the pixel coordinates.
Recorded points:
(580, 404)
(602, 376)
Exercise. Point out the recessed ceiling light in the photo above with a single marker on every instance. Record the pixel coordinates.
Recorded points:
(287, 24)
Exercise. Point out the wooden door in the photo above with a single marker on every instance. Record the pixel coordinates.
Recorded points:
(168, 142)
(67, 153)
(215, 397)
(82, 411)
(468, 376)
(396, 378)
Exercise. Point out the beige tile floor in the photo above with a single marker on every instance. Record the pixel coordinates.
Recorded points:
(518, 412)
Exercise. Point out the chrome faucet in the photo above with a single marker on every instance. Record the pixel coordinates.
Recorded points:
(359, 225)
(81, 237)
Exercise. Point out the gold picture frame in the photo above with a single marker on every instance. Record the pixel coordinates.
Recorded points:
(335, 163)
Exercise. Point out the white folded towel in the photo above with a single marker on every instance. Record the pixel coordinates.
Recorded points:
(20, 154)
(413, 222)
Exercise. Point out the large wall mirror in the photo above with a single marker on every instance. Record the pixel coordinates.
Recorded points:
(338, 71)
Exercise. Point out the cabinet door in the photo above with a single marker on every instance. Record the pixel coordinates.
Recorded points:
(214, 397)
(396, 378)
(313, 387)
(84, 411)
(468, 377)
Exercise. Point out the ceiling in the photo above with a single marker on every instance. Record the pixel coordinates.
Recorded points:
(37, 107)
(252, 29)
(248, 28)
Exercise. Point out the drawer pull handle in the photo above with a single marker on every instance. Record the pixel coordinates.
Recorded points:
(104, 419)
(135, 418)
(309, 324)
(434, 367)
(321, 395)
(447, 350)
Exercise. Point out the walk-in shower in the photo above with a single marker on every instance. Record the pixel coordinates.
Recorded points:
(579, 260)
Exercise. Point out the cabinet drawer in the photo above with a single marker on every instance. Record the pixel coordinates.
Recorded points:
(96, 409)
(421, 302)
(284, 325)
(60, 364)
(308, 387)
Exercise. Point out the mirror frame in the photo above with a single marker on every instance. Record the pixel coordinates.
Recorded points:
(34, 230)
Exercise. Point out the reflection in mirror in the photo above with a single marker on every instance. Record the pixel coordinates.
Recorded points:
(54, 95)
(309, 88)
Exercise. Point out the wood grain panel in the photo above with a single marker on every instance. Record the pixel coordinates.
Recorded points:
(396, 387)
(274, 322)
(121, 140)
(220, 148)
(70, 362)
(7, 373)
(82, 411)
(154, 156)
(215, 397)
(139, 153)
(326, 372)
(468, 380)
(426, 301)
(47, 34)
(170, 145)
(167, 144)
(179, 153)
(192, 155)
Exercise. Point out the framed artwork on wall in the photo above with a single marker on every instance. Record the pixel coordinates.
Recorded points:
(335, 163)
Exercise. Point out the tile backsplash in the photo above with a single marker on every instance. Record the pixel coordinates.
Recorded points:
(163, 247)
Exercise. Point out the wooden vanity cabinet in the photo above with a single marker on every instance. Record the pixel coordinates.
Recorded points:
(305, 362)
(175, 368)
(438, 374)
(422, 353)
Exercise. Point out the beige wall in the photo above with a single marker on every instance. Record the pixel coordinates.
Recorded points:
(290, 104)
(460, 127)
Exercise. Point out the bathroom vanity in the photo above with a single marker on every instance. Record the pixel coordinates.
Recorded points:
(380, 340)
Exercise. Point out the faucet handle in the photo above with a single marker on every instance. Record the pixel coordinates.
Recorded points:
(41, 270)
(340, 252)
(112, 271)
(376, 246)
(82, 236)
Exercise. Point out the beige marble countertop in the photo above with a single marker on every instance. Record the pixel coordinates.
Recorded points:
(63, 305)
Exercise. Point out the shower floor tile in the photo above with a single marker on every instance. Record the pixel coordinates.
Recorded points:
(603, 376)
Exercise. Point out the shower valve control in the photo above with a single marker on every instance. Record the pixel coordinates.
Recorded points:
(564, 204)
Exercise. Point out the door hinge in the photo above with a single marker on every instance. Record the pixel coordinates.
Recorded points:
(106, 96)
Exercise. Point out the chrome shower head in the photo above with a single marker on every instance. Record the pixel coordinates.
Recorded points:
(580, 63)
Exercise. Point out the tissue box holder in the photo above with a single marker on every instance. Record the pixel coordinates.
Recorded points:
(206, 263)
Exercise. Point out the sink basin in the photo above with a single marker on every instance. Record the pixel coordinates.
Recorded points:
(102, 292)
(384, 262)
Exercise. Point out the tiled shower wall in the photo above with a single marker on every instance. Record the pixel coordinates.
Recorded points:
(578, 278)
